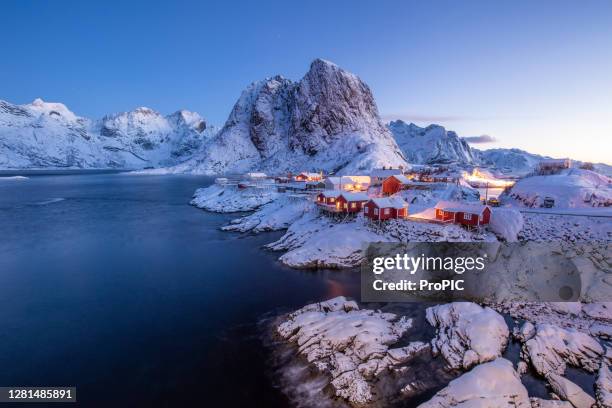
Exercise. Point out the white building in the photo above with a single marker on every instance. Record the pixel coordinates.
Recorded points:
(348, 183)
(378, 175)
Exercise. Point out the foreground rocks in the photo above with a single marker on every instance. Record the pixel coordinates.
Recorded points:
(354, 348)
(553, 348)
(467, 334)
(502, 388)
(351, 345)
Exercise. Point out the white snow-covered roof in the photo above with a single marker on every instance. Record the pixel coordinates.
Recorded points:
(401, 178)
(389, 202)
(355, 196)
(384, 173)
(257, 175)
(331, 193)
(349, 179)
(309, 175)
(458, 206)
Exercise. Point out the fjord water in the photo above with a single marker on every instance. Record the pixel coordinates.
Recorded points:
(112, 283)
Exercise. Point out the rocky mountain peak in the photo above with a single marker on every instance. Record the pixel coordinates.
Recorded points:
(328, 120)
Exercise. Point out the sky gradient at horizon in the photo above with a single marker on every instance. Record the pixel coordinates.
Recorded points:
(534, 75)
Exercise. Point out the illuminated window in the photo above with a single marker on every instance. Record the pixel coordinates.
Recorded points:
(386, 211)
(353, 205)
(467, 216)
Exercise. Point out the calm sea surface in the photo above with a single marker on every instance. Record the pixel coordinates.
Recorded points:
(112, 283)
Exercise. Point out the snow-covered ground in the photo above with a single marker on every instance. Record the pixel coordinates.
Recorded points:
(543, 227)
(571, 188)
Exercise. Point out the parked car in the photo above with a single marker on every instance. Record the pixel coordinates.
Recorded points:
(549, 202)
(493, 202)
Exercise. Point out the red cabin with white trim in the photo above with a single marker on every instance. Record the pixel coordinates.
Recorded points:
(471, 215)
(395, 183)
(386, 208)
(328, 197)
(352, 202)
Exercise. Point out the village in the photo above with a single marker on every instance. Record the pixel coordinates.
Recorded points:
(393, 193)
(377, 196)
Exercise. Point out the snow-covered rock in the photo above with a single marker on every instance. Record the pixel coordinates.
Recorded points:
(326, 121)
(571, 188)
(603, 331)
(49, 135)
(603, 387)
(493, 384)
(506, 223)
(569, 391)
(525, 332)
(430, 145)
(553, 348)
(276, 215)
(467, 334)
(542, 403)
(230, 198)
(315, 241)
(599, 310)
(349, 344)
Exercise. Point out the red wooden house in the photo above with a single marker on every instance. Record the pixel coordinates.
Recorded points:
(395, 183)
(386, 208)
(352, 202)
(328, 197)
(471, 215)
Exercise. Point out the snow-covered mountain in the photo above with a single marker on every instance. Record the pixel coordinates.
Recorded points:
(509, 161)
(430, 145)
(49, 135)
(326, 121)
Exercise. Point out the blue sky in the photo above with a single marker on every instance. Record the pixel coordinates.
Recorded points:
(532, 74)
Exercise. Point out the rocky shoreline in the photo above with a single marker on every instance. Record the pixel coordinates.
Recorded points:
(368, 362)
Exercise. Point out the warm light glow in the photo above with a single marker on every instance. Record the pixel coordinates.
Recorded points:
(479, 178)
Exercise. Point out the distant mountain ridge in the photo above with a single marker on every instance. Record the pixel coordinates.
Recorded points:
(431, 145)
(48, 135)
(436, 145)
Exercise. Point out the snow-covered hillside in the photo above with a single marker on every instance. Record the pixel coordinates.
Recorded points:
(430, 145)
(49, 135)
(571, 188)
(514, 162)
(326, 121)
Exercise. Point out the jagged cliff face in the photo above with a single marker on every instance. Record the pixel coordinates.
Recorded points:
(326, 121)
(49, 135)
(431, 145)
